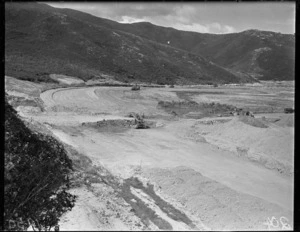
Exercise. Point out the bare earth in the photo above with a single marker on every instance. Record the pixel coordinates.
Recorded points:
(207, 174)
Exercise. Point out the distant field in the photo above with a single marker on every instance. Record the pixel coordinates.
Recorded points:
(269, 97)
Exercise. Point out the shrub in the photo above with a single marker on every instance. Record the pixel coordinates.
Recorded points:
(135, 87)
(288, 110)
(36, 177)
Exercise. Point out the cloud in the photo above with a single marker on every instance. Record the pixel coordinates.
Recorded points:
(214, 28)
(181, 24)
(128, 19)
(192, 27)
(229, 29)
(192, 16)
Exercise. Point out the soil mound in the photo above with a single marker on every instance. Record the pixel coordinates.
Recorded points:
(118, 125)
(253, 121)
(270, 146)
(287, 120)
(68, 80)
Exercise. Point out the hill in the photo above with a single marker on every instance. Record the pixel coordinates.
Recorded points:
(264, 55)
(41, 40)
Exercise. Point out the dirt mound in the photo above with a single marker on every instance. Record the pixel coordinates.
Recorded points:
(253, 121)
(267, 161)
(254, 140)
(118, 125)
(68, 80)
(20, 86)
(211, 122)
(286, 120)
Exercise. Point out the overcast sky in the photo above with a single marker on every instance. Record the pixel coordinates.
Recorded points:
(213, 17)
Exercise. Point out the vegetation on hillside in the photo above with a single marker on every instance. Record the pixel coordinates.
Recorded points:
(36, 177)
(41, 40)
(234, 51)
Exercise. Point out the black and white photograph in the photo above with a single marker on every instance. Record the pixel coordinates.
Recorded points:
(149, 116)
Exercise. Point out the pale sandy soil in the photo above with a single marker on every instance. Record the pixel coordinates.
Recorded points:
(99, 209)
(66, 79)
(253, 97)
(272, 146)
(193, 166)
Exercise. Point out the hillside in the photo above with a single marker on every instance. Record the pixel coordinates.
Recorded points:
(41, 40)
(264, 55)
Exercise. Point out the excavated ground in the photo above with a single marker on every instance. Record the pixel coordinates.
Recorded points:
(183, 173)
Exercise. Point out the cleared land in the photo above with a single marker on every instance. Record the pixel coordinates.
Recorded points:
(191, 170)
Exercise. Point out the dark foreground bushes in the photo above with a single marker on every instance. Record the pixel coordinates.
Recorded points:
(36, 177)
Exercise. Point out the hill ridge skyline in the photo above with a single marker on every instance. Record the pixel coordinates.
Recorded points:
(232, 53)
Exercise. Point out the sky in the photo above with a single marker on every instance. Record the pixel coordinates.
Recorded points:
(203, 17)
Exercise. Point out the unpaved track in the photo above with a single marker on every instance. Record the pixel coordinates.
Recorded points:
(106, 100)
(164, 147)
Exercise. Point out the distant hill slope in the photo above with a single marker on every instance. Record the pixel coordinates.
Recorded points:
(40, 40)
(264, 55)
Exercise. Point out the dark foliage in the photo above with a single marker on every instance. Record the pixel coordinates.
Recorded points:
(180, 108)
(135, 87)
(36, 177)
(288, 110)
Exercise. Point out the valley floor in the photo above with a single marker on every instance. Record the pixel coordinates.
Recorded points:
(218, 173)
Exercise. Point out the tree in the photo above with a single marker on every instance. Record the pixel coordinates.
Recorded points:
(36, 177)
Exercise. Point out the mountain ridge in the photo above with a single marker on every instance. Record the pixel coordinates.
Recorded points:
(96, 45)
